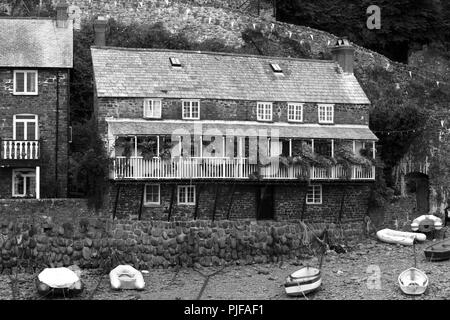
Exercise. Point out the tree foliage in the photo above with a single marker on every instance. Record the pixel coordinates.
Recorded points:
(405, 24)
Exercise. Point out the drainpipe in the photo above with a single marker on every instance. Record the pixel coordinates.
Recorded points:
(57, 133)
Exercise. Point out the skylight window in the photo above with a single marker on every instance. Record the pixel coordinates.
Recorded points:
(175, 62)
(276, 67)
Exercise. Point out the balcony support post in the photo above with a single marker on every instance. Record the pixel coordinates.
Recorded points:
(135, 146)
(142, 202)
(215, 202)
(38, 182)
(332, 148)
(171, 202)
(231, 201)
(373, 149)
(290, 147)
(157, 146)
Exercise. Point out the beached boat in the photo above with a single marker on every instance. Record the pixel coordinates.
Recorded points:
(438, 251)
(58, 282)
(413, 281)
(126, 277)
(426, 223)
(401, 237)
(303, 281)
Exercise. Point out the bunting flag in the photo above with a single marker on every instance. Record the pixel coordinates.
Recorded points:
(273, 27)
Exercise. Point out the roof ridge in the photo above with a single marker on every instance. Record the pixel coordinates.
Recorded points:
(210, 53)
(25, 18)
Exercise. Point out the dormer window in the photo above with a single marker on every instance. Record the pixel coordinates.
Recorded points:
(326, 113)
(175, 62)
(276, 68)
(25, 82)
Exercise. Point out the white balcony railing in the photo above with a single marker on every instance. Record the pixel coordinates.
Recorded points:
(20, 150)
(227, 168)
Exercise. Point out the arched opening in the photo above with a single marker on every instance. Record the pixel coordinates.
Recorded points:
(418, 183)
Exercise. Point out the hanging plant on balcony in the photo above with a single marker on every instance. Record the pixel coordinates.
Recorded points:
(165, 152)
(345, 156)
(148, 148)
(127, 146)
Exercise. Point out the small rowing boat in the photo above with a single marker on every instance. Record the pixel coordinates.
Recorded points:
(438, 251)
(413, 281)
(306, 279)
(303, 281)
(401, 237)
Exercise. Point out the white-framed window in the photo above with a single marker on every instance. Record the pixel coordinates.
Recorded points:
(186, 195)
(295, 112)
(152, 194)
(24, 183)
(25, 82)
(25, 127)
(326, 113)
(314, 195)
(191, 109)
(264, 111)
(152, 108)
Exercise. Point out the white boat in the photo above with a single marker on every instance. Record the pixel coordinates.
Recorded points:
(126, 277)
(401, 237)
(413, 281)
(426, 222)
(303, 281)
(58, 281)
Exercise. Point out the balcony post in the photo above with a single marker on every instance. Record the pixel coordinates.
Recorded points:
(157, 146)
(135, 146)
(312, 145)
(290, 147)
(373, 149)
(332, 148)
(38, 182)
(354, 146)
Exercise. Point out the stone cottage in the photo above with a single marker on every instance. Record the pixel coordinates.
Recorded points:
(36, 56)
(213, 135)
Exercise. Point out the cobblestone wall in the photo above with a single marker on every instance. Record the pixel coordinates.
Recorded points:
(64, 232)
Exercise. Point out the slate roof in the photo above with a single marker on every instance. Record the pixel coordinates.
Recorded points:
(125, 72)
(35, 43)
(249, 128)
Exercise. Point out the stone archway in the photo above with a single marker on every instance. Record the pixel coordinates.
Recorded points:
(418, 183)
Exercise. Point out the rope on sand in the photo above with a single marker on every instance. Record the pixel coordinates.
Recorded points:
(206, 280)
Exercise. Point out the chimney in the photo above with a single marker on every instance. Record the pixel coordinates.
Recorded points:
(61, 14)
(100, 31)
(342, 53)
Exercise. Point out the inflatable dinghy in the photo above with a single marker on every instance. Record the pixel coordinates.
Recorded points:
(401, 237)
(126, 277)
(58, 282)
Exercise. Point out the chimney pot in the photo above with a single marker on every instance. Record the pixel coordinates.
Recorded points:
(61, 14)
(343, 54)
(100, 30)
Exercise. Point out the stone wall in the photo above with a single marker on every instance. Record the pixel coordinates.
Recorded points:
(35, 234)
(288, 202)
(44, 106)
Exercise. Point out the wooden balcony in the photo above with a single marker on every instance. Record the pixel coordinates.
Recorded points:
(136, 168)
(19, 150)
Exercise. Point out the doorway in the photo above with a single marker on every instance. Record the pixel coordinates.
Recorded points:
(264, 203)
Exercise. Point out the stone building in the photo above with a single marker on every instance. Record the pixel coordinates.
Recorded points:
(36, 56)
(225, 136)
